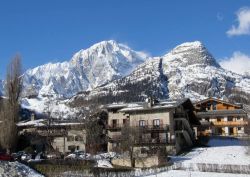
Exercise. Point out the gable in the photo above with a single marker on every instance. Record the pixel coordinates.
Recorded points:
(215, 104)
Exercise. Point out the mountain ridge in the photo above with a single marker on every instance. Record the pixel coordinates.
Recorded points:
(107, 59)
(188, 70)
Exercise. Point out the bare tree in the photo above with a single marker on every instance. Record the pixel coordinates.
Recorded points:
(10, 111)
(130, 137)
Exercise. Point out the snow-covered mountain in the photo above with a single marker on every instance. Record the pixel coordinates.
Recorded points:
(193, 72)
(189, 70)
(111, 72)
(89, 68)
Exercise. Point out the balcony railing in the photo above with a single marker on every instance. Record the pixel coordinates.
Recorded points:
(229, 123)
(140, 141)
(115, 126)
(161, 127)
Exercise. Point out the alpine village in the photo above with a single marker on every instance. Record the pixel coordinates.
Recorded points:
(114, 111)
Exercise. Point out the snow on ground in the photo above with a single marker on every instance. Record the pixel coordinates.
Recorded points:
(104, 164)
(221, 151)
(11, 169)
(183, 173)
(58, 108)
(102, 160)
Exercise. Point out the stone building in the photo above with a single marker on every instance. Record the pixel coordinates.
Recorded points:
(64, 137)
(167, 124)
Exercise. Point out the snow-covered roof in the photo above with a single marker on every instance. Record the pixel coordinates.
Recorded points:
(43, 122)
(138, 106)
(39, 122)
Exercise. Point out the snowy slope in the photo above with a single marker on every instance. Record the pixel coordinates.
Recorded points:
(193, 72)
(111, 72)
(102, 62)
(221, 153)
(146, 79)
(189, 70)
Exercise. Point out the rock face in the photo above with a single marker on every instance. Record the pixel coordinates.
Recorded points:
(189, 70)
(110, 72)
(193, 72)
(101, 63)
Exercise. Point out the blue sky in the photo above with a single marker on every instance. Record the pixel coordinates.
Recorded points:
(49, 31)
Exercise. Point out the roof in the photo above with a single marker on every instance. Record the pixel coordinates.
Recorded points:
(43, 123)
(115, 106)
(160, 105)
(218, 100)
(221, 113)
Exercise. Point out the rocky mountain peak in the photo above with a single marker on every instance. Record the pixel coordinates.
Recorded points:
(87, 69)
(191, 53)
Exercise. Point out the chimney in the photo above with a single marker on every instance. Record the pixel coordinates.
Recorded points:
(32, 118)
(149, 102)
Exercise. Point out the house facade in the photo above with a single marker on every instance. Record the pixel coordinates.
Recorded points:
(219, 117)
(65, 137)
(167, 124)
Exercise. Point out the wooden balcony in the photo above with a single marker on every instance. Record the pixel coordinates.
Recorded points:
(229, 123)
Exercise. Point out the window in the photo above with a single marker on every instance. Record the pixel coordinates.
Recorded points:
(231, 131)
(155, 135)
(78, 138)
(214, 105)
(218, 119)
(70, 138)
(77, 147)
(156, 122)
(219, 131)
(230, 118)
(71, 148)
(144, 151)
(114, 123)
(124, 121)
(142, 123)
(239, 128)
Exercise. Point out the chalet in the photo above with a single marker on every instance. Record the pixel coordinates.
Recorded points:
(167, 124)
(219, 117)
(65, 137)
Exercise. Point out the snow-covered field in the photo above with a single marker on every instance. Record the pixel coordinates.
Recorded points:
(222, 152)
(184, 173)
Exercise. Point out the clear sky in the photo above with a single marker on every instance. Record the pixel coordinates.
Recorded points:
(53, 30)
